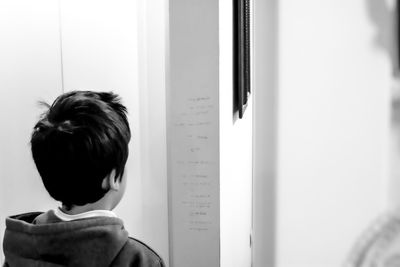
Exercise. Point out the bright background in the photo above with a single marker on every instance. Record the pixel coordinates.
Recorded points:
(335, 78)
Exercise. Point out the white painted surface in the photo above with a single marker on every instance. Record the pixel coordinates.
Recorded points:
(265, 90)
(193, 111)
(152, 49)
(235, 157)
(29, 72)
(101, 52)
(333, 130)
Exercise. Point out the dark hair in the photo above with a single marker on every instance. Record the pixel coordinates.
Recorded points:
(80, 140)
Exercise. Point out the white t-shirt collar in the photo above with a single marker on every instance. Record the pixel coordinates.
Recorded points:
(84, 215)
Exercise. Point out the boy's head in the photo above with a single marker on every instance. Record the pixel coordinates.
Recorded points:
(81, 140)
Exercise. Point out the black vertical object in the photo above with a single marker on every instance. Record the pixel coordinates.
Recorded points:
(241, 55)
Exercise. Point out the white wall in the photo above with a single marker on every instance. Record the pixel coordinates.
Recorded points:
(235, 157)
(333, 130)
(265, 90)
(193, 133)
(152, 53)
(194, 64)
(30, 71)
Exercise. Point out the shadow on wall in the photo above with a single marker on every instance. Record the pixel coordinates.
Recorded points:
(383, 17)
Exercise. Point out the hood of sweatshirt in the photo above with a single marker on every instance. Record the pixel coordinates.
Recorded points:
(40, 239)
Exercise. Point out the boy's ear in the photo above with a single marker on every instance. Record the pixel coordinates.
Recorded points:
(110, 183)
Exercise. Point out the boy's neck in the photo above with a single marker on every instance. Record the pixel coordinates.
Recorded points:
(98, 205)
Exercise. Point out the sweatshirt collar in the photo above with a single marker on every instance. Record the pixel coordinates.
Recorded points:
(84, 215)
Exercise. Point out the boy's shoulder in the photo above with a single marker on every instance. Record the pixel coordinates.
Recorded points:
(139, 253)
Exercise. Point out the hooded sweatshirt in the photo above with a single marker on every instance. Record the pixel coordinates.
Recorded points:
(43, 240)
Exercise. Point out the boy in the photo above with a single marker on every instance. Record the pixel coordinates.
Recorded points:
(80, 147)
